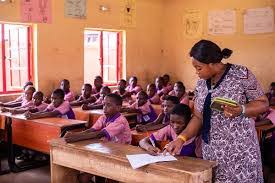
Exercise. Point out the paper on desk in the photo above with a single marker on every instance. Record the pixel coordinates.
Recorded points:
(139, 160)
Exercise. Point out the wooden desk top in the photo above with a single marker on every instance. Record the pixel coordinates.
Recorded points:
(119, 151)
(78, 109)
(54, 121)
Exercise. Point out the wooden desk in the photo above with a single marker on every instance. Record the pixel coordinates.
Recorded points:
(137, 136)
(35, 134)
(81, 114)
(109, 160)
(263, 132)
(157, 108)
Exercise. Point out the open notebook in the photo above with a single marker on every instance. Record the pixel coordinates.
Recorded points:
(139, 160)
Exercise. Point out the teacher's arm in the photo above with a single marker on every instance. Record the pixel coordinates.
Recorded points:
(190, 131)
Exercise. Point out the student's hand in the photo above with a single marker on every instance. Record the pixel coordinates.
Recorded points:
(153, 150)
(47, 100)
(28, 115)
(123, 109)
(68, 134)
(71, 138)
(232, 112)
(141, 128)
(3, 109)
(173, 147)
(84, 107)
(13, 111)
(63, 141)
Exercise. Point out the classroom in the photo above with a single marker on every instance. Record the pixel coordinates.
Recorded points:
(137, 91)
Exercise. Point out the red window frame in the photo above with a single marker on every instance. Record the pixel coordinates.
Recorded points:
(118, 59)
(4, 61)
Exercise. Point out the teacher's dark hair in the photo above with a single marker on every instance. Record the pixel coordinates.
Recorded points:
(207, 52)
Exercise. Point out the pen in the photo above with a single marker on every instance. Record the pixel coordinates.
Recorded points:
(151, 140)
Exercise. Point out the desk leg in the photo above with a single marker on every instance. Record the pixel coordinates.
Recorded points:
(11, 156)
(63, 174)
(3, 172)
(14, 167)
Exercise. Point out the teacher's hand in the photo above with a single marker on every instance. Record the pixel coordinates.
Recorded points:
(173, 147)
(232, 112)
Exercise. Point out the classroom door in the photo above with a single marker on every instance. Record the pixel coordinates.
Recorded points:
(102, 56)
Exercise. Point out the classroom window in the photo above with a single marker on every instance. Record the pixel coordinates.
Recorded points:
(102, 56)
(15, 57)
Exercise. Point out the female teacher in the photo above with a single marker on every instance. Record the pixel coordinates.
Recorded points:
(228, 137)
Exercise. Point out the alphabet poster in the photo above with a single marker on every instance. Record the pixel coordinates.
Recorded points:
(192, 21)
(36, 11)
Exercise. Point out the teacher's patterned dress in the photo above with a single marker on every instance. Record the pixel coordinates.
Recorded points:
(233, 142)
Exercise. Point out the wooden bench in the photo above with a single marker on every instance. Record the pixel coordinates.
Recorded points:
(109, 160)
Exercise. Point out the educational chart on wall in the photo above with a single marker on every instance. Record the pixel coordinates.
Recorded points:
(259, 20)
(128, 13)
(75, 8)
(36, 11)
(222, 22)
(192, 21)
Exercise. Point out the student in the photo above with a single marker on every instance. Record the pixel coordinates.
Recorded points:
(152, 94)
(179, 119)
(266, 117)
(164, 118)
(143, 107)
(112, 126)
(21, 97)
(98, 84)
(121, 89)
(58, 108)
(25, 102)
(161, 90)
(98, 104)
(133, 88)
(271, 94)
(65, 86)
(86, 96)
(179, 91)
(166, 83)
(38, 105)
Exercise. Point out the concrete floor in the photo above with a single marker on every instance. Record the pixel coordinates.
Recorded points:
(38, 175)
